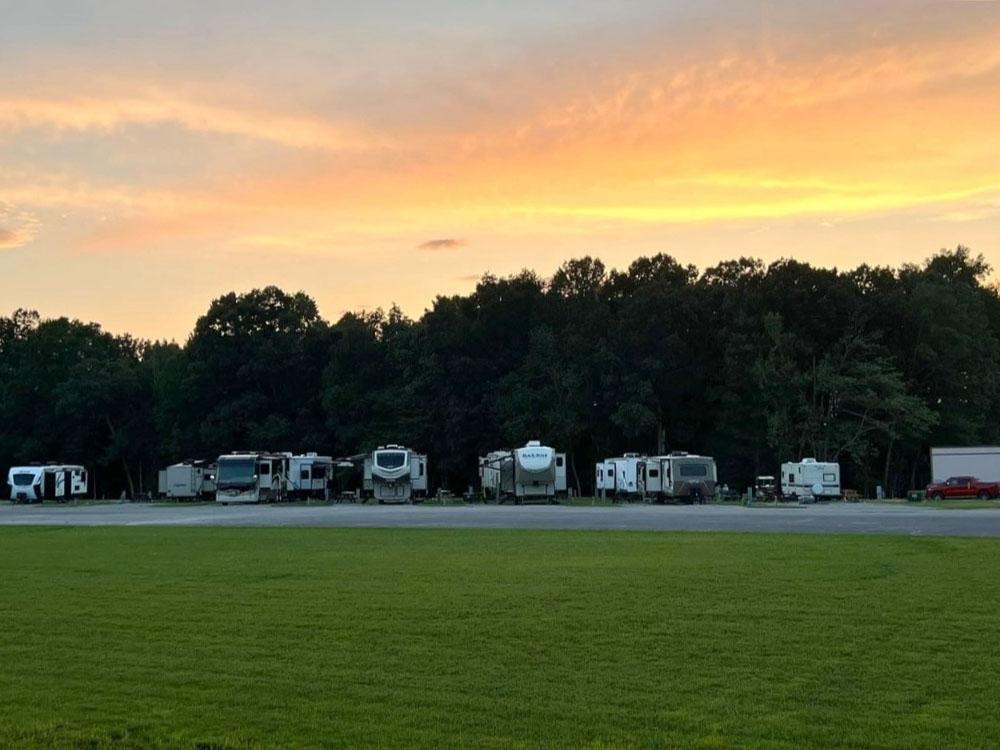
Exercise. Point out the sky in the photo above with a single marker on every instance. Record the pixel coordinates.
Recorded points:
(156, 155)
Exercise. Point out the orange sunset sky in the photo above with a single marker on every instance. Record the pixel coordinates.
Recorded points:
(154, 155)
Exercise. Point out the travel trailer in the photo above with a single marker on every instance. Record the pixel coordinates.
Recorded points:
(604, 478)
(37, 482)
(624, 476)
(810, 478)
(395, 474)
(249, 477)
(682, 476)
(188, 480)
(535, 471)
(309, 475)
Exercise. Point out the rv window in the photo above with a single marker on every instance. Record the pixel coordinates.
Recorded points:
(559, 460)
(611, 472)
(390, 459)
(693, 470)
(653, 473)
(319, 471)
(829, 477)
(791, 479)
(304, 472)
(421, 473)
(23, 479)
(265, 468)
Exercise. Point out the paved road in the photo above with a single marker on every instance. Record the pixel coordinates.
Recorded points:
(834, 518)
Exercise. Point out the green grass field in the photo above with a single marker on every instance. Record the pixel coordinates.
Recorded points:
(187, 637)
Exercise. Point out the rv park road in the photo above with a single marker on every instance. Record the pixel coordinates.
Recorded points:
(812, 519)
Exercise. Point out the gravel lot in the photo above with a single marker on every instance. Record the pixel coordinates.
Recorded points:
(821, 519)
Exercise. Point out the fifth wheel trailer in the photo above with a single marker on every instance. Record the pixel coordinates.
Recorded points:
(534, 471)
(34, 483)
(395, 474)
(981, 462)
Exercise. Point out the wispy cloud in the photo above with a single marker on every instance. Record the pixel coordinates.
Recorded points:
(108, 114)
(445, 243)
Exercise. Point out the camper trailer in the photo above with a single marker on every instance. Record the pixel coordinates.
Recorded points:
(810, 478)
(604, 478)
(395, 474)
(249, 477)
(535, 471)
(309, 475)
(682, 476)
(624, 476)
(188, 480)
(35, 483)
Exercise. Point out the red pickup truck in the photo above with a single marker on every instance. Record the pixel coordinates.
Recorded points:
(963, 487)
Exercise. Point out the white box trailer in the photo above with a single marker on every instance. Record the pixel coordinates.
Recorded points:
(395, 474)
(188, 480)
(309, 475)
(251, 477)
(535, 471)
(979, 461)
(37, 482)
(682, 476)
(810, 478)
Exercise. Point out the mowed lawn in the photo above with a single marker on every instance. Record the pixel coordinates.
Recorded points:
(212, 637)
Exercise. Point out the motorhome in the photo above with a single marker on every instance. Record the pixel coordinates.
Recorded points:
(37, 482)
(682, 476)
(188, 480)
(395, 474)
(309, 475)
(250, 477)
(810, 478)
(534, 471)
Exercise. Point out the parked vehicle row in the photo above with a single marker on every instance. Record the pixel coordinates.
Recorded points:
(534, 472)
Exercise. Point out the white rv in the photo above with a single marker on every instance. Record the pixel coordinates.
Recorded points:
(604, 478)
(188, 480)
(982, 462)
(35, 483)
(535, 471)
(681, 476)
(309, 475)
(623, 476)
(251, 477)
(395, 474)
(810, 478)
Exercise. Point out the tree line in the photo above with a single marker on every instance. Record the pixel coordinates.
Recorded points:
(753, 364)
